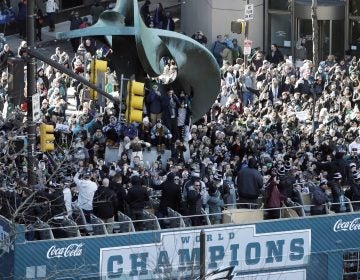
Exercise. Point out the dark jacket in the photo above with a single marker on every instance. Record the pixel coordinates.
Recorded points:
(337, 165)
(249, 182)
(137, 197)
(167, 110)
(3, 58)
(75, 22)
(286, 185)
(56, 199)
(319, 197)
(95, 12)
(168, 24)
(276, 58)
(355, 191)
(336, 192)
(303, 86)
(170, 195)
(21, 16)
(177, 153)
(145, 12)
(29, 213)
(154, 102)
(120, 196)
(9, 201)
(194, 202)
(105, 202)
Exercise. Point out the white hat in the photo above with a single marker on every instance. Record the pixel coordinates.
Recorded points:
(353, 164)
(323, 182)
(281, 171)
(337, 176)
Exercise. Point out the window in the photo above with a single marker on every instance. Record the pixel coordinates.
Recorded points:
(351, 265)
(354, 31)
(280, 30)
(354, 37)
(66, 4)
(354, 7)
(279, 4)
(337, 37)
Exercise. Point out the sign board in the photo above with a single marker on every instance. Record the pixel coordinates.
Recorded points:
(36, 106)
(302, 115)
(249, 12)
(283, 249)
(177, 252)
(247, 47)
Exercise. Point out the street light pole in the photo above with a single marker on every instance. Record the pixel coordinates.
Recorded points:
(202, 255)
(246, 33)
(31, 89)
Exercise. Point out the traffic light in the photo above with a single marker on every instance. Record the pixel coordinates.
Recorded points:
(97, 76)
(238, 26)
(134, 101)
(46, 137)
(16, 78)
(18, 145)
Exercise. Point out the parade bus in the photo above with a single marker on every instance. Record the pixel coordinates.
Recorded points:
(243, 246)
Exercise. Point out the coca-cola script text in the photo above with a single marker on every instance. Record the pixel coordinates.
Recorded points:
(341, 225)
(73, 250)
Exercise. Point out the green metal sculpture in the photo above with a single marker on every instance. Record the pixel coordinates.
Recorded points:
(138, 51)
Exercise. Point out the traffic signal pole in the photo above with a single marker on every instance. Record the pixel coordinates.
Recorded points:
(70, 73)
(122, 79)
(31, 89)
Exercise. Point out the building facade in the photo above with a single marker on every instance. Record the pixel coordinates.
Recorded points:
(213, 17)
(282, 22)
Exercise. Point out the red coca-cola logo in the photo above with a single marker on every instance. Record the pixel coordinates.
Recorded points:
(341, 225)
(73, 250)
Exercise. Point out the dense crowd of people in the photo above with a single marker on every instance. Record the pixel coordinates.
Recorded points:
(276, 131)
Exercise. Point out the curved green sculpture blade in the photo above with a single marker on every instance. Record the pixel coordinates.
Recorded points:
(139, 49)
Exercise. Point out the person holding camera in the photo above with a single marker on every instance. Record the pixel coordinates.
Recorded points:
(136, 145)
(86, 190)
(159, 134)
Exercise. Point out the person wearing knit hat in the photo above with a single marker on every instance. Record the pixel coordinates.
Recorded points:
(144, 131)
(281, 171)
(146, 120)
(287, 166)
(218, 176)
(336, 191)
(352, 170)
